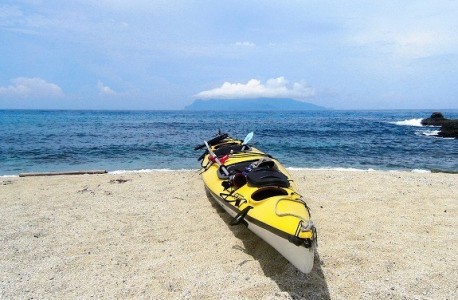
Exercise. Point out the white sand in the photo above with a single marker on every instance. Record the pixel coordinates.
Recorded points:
(382, 235)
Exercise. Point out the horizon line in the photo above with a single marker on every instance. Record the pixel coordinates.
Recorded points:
(216, 110)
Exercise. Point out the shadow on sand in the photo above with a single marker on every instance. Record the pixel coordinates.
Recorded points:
(290, 280)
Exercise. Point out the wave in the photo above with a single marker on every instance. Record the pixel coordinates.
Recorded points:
(339, 169)
(420, 171)
(151, 171)
(356, 170)
(329, 169)
(428, 132)
(410, 122)
(288, 168)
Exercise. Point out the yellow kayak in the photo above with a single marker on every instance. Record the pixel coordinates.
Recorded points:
(257, 191)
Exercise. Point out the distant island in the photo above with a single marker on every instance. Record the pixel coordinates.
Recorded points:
(252, 104)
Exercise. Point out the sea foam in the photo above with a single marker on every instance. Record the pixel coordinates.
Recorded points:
(150, 171)
(358, 170)
(330, 169)
(410, 122)
(430, 132)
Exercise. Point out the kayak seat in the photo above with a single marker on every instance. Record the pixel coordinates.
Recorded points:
(235, 168)
(225, 150)
(267, 177)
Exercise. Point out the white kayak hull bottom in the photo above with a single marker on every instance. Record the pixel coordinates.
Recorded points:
(299, 256)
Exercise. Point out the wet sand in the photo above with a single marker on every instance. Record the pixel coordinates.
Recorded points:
(382, 235)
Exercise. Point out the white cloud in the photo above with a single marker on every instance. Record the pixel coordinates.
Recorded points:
(31, 88)
(105, 90)
(245, 44)
(273, 88)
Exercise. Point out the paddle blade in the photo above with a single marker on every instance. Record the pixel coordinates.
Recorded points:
(248, 138)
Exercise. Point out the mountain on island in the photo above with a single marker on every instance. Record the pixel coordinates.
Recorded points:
(256, 104)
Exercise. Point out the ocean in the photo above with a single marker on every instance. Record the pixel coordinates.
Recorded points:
(44, 141)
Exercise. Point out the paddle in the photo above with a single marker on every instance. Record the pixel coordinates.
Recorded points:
(248, 138)
(215, 158)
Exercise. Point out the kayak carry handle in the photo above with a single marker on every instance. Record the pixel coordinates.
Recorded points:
(203, 155)
(239, 218)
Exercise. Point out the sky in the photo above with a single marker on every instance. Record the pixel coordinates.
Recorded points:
(146, 54)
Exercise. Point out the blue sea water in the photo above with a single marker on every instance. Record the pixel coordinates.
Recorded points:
(35, 141)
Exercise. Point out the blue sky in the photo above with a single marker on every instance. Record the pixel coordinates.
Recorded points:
(113, 54)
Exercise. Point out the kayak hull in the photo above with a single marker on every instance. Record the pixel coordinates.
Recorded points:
(299, 256)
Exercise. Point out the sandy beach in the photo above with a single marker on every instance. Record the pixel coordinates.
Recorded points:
(382, 235)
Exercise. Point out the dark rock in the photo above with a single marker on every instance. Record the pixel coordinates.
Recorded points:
(436, 119)
(449, 127)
